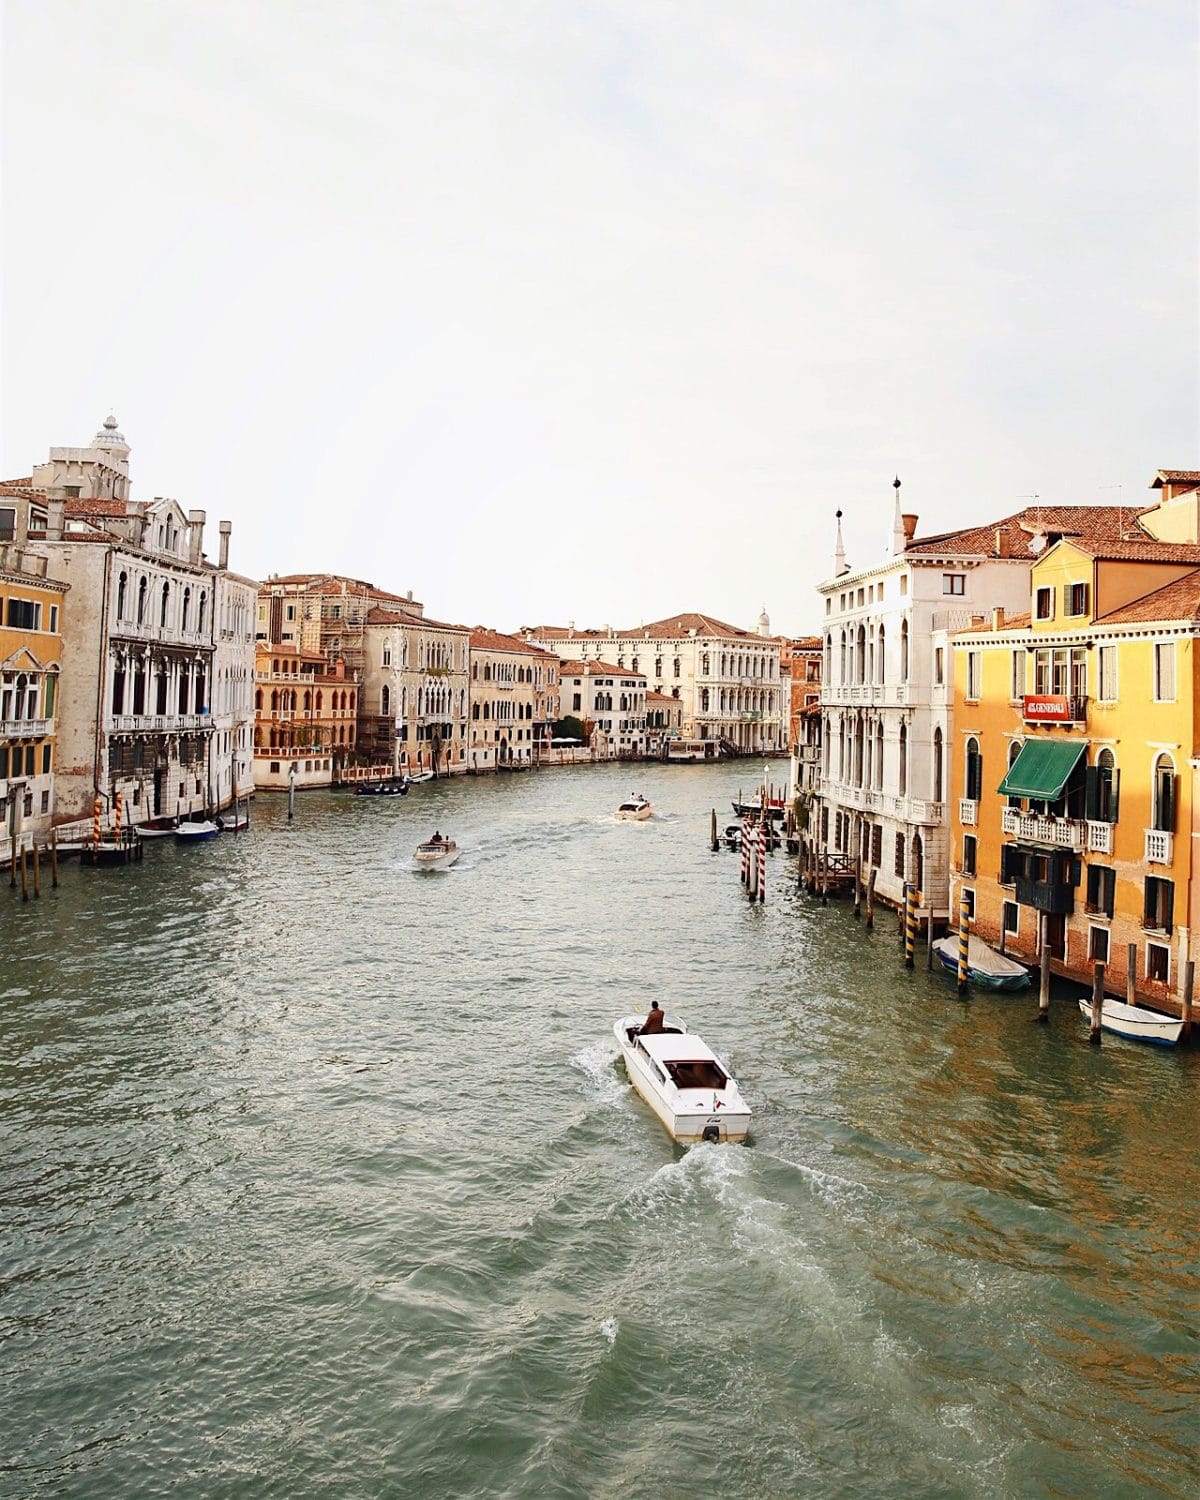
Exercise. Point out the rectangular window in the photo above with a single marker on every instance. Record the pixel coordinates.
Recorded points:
(900, 855)
(1164, 672)
(1011, 918)
(45, 760)
(974, 674)
(877, 846)
(1158, 963)
(954, 583)
(53, 619)
(1016, 689)
(1098, 944)
(1077, 598)
(8, 523)
(1101, 890)
(970, 845)
(1043, 607)
(24, 614)
(1158, 912)
(1108, 674)
(939, 665)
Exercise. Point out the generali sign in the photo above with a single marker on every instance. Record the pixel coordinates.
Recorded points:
(1052, 709)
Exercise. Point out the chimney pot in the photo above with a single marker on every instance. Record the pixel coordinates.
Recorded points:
(910, 525)
(998, 619)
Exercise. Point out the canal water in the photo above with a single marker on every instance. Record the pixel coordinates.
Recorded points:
(319, 1178)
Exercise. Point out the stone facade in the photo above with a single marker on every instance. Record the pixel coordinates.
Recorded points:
(415, 698)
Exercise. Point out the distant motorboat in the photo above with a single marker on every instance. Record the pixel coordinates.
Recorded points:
(392, 786)
(634, 809)
(771, 805)
(437, 853)
(985, 967)
(1135, 1022)
(192, 831)
(683, 1081)
(234, 822)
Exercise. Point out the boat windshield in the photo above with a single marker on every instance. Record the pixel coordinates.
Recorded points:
(702, 1073)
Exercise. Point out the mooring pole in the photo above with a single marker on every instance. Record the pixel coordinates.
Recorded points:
(871, 899)
(37, 871)
(715, 845)
(1189, 976)
(1097, 1003)
(24, 877)
(1131, 974)
(964, 946)
(910, 927)
(54, 858)
(1044, 986)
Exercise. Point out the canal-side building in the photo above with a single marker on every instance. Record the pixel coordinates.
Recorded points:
(886, 684)
(1074, 761)
(234, 669)
(138, 640)
(305, 718)
(414, 693)
(31, 605)
(610, 701)
(504, 699)
(726, 679)
(664, 722)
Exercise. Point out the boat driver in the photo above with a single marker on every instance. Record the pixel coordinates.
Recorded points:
(653, 1022)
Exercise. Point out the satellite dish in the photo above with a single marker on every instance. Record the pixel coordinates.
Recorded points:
(1037, 542)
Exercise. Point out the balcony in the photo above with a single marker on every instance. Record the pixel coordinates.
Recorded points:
(968, 812)
(1042, 896)
(1160, 846)
(158, 723)
(24, 729)
(1033, 828)
(1099, 837)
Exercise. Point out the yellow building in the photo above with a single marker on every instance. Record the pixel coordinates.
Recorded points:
(1072, 771)
(30, 661)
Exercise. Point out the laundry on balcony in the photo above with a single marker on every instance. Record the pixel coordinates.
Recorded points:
(1042, 769)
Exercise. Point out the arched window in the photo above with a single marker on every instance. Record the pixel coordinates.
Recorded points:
(973, 781)
(258, 701)
(308, 699)
(937, 764)
(860, 654)
(122, 583)
(165, 605)
(1103, 788)
(187, 608)
(1164, 793)
(880, 668)
(274, 700)
(320, 700)
(141, 605)
(1013, 751)
(879, 755)
(842, 662)
(904, 760)
(385, 700)
(201, 611)
(904, 651)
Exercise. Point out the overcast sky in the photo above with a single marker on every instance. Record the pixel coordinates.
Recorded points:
(598, 311)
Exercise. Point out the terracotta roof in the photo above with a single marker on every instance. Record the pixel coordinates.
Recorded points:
(1011, 622)
(1010, 536)
(17, 484)
(1178, 600)
(1175, 476)
(483, 639)
(1149, 551)
(680, 625)
(86, 509)
(565, 633)
(656, 697)
(356, 588)
(381, 616)
(610, 669)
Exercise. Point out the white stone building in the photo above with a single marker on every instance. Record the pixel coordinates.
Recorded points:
(887, 685)
(611, 699)
(414, 692)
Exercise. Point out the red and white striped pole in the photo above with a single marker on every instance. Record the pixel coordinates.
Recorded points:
(746, 851)
(96, 823)
(117, 817)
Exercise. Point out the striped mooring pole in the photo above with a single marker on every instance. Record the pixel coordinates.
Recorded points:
(964, 946)
(910, 926)
(117, 815)
(746, 851)
(96, 823)
(762, 863)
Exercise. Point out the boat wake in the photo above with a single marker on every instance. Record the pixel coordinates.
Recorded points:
(605, 1083)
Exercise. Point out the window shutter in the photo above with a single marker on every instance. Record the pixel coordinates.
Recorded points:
(1091, 792)
(1148, 903)
(1115, 799)
(1168, 889)
(1166, 811)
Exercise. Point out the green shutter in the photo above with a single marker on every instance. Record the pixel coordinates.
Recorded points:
(1091, 793)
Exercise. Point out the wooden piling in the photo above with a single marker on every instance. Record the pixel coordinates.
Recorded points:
(37, 872)
(1131, 974)
(1044, 986)
(1189, 976)
(871, 899)
(824, 877)
(1097, 1003)
(964, 946)
(762, 860)
(24, 876)
(713, 832)
(858, 889)
(12, 869)
(910, 925)
(54, 859)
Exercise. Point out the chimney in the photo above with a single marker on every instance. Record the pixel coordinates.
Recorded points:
(910, 526)
(56, 516)
(998, 619)
(408, 596)
(1000, 546)
(195, 522)
(225, 528)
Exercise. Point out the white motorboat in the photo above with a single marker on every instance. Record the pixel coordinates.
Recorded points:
(437, 853)
(634, 809)
(190, 831)
(158, 828)
(683, 1081)
(986, 967)
(418, 777)
(1135, 1022)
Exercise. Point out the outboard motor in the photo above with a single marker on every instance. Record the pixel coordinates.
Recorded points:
(711, 1133)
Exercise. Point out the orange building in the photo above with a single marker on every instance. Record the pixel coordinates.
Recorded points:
(305, 718)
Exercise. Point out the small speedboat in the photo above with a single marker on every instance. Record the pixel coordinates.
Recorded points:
(158, 828)
(234, 821)
(1135, 1022)
(752, 807)
(420, 776)
(191, 831)
(683, 1081)
(985, 967)
(634, 809)
(394, 786)
(436, 853)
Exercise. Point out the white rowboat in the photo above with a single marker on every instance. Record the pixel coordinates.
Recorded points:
(985, 966)
(683, 1081)
(1135, 1022)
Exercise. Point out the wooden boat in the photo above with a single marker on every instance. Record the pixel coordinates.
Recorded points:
(985, 967)
(683, 1081)
(775, 805)
(634, 809)
(192, 830)
(393, 786)
(1135, 1022)
(158, 828)
(437, 853)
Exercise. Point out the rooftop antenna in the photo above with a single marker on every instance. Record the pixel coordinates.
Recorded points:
(1120, 508)
(1037, 542)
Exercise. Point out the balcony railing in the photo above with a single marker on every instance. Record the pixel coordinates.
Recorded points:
(968, 812)
(1099, 837)
(1160, 846)
(1043, 896)
(1033, 828)
(24, 729)
(158, 723)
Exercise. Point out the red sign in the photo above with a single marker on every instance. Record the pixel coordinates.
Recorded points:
(1053, 709)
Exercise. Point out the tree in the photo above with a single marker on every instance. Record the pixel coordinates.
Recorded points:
(569, 728)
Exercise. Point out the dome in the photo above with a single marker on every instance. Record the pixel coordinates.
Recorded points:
(764, 622)
(110, 436)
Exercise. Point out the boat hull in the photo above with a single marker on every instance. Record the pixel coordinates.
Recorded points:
(435, 861)
(946, 952)
(1135, 1023)
(639, 816)
(195, 833)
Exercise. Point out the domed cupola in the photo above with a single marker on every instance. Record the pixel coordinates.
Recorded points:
(111, 439)
(764, 622)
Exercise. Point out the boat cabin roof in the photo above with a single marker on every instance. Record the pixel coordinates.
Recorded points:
(665, 1047)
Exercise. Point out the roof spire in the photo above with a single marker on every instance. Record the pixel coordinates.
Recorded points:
(839, 551)
(898, 537)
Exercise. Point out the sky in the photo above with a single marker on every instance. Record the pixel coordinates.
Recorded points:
(598, 311)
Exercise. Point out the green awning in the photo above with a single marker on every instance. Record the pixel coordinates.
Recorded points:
(1042, 769)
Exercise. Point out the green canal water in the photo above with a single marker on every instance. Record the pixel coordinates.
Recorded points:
(318, 1178)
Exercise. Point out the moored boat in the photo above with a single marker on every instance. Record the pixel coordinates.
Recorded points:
(191, 831)
(418, 777)
(635, 809)
(393, 786)
(985, 967)
(1135, 1022)
(158, 828)
(437, 853)
(234, 821)
(775, 806)
(683, 1081)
